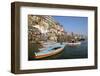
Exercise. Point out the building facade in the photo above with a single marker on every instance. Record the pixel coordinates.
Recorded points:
(48, 28)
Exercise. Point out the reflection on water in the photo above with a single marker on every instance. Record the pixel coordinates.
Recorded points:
(71, 52)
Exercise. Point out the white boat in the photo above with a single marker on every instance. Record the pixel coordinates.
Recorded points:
(73, 43)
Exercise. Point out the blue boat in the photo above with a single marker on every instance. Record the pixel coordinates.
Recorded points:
(49, 50)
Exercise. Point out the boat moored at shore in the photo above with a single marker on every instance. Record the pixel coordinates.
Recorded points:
(51, 50)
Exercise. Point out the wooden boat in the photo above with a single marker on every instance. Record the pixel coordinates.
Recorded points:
(49, 51)
(73, 43)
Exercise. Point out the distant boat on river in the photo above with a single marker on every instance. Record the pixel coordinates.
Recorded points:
(73, 42)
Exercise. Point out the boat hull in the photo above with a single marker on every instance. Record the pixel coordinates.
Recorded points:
(53, 52)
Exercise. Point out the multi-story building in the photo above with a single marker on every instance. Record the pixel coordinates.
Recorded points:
(48, 26)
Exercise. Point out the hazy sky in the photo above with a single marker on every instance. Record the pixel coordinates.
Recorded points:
(78, 25)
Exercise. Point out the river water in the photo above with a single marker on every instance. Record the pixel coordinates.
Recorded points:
(71, 52)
